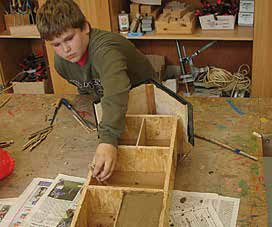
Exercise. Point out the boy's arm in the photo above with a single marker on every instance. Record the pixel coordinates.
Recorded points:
(115, 81)
(112, 67)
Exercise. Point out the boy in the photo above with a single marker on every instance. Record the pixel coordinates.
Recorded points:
(100, 63)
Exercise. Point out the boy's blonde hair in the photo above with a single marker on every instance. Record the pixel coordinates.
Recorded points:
(56, 16)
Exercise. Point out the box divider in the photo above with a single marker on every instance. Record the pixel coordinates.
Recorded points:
(119, 209)
(142, 134)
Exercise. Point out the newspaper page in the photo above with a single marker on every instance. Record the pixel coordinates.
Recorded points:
(56, 207)
(227, 210)
(203, 209)
(26, 202)
(5, 206)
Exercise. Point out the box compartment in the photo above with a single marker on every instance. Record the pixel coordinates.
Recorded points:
(107, 208)
(131, 132)
(139, 167)
(155, 132)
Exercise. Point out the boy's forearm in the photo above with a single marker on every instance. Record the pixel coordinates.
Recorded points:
(114, 109)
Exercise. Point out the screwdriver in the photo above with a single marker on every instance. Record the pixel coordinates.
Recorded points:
(77, 115)
(57, 106)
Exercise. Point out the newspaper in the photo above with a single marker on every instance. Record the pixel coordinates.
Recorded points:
(56, 207)
(203, 209)
(26, 202)
(5, 206)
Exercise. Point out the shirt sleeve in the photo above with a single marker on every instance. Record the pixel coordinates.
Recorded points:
(112, 68)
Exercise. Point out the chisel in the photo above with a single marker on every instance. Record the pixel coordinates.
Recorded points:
(76, 114)
(57, 106)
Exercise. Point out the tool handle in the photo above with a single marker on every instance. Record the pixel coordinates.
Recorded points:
(66, 103)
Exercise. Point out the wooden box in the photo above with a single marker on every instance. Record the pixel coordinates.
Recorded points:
(166, 24)
(38, 87)
(139, 191)
(16, 20)
(19, 25)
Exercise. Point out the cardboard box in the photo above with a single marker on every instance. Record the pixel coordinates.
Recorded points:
(30, 87)
(211, 22)
(246, 19)
(246, 6)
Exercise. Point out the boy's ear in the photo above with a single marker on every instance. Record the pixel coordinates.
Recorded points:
(86, 27)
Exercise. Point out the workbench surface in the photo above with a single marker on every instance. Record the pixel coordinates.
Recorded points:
(207, 168)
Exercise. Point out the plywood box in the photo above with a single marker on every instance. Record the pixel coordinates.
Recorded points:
(166, 24)
(38, 87)
(24, 30)
(147, 9)
(139, 191)
(148, 2)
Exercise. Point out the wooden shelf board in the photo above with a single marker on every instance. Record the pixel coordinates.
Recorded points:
(237, 34)
(9, 36)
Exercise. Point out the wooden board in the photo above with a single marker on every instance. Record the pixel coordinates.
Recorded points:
(261, 75)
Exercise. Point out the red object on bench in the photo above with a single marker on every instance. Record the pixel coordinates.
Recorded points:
(6, 164)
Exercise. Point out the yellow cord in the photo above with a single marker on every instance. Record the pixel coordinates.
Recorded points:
(225, 81)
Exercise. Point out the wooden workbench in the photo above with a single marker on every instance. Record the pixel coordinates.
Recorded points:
(208, 168)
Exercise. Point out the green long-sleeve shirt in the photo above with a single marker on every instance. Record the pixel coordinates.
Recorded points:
(112, 67)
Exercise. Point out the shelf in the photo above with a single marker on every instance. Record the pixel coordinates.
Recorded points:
(8, 36)
(237, 34)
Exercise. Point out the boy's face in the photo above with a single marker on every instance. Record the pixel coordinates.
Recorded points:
(72, 44)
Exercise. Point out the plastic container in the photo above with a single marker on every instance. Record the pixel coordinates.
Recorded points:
(6, 164)
(123, 20)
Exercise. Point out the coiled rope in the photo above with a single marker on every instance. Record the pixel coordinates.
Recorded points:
(225, 81)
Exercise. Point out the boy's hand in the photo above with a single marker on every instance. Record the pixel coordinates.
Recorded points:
(105, 159)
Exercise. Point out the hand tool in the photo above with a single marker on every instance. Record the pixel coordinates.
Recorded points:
(89, 125)
(57, 106)
(184, 59)
(235, 150)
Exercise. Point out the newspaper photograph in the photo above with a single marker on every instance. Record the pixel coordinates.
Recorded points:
(203, 209)
(57, 206)
(5, 206)
(26, 202)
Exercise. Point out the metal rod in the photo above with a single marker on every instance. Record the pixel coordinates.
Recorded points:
(181, 62)
(237, 151)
